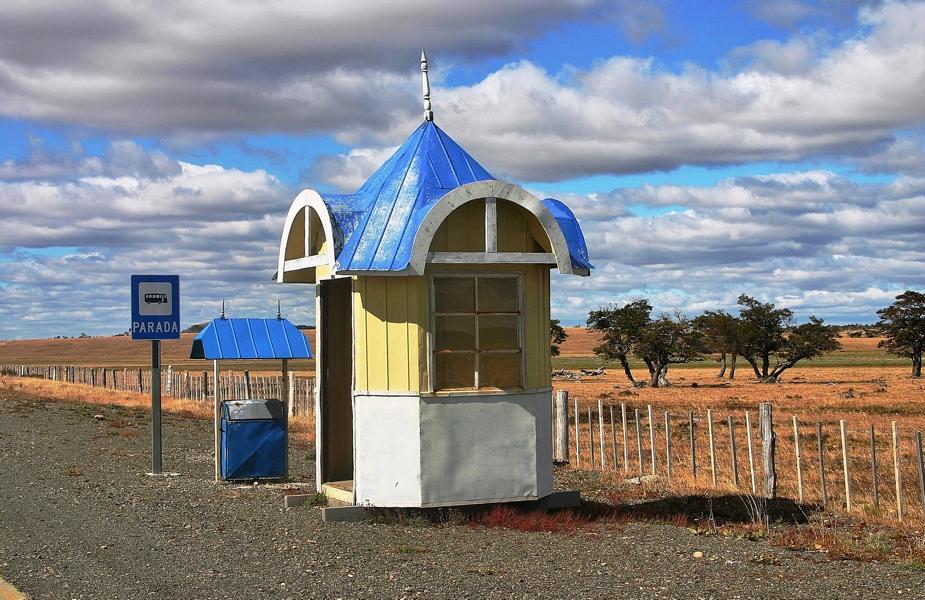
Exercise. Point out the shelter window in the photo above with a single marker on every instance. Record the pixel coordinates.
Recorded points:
(477, 332)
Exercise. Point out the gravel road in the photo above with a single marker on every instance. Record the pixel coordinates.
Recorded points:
(79, 519)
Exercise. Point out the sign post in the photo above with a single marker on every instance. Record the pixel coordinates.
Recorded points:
(155, 317)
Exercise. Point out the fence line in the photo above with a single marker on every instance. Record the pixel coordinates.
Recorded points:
(182, 385)
(852, 455)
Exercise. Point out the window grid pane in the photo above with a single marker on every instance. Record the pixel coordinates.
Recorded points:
(493, 334)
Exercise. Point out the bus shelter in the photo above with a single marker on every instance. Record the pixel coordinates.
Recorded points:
(251, 340)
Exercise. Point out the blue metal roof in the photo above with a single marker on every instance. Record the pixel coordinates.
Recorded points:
(376, 226)
(577, 248)
(379, 222)
(234, 339)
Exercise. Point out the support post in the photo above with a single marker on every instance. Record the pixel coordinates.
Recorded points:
(638, 439)
(668, 443)
(874, 475)
(156, 407)
(247, 385)
(562, 427)
(730, 421)
(920, 465)
(690, 422)
(820, 439)
(613, 439)
(844, 460)
(216, 414)
(651, 439)
(897, 474)
(626, 448)
(712, 445)
(768, 449)
(751, 450)
(591, 435)
(600, 430)
(577, 436)
(285, 395)
(796, 446)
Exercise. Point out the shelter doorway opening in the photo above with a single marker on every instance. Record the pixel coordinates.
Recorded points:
(335, 373)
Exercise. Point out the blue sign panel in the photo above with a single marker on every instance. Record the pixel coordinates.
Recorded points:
(155, 307)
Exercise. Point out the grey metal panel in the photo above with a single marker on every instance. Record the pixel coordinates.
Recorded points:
(484, 448)
(253, 410)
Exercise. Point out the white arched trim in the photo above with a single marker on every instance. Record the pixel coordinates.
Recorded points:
(307, 199)
(489, 189)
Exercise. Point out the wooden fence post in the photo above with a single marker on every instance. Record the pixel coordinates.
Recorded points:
(651, 439)
(626, 447)
(690, 422)
(613, 439)
(562, 426)
(247, 385)
(820, 439)
(577, 436)
(291, 392)
(768, 449)
(845, 468)
(712, 445)
(897, 474)
(591, 435)
(921, 466)
(600, 430)
(638, 439)
(751, 450)
(875, 479)
(668, 443)
(796, 446)
(730, 421)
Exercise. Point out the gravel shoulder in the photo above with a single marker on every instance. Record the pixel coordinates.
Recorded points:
(79, 519)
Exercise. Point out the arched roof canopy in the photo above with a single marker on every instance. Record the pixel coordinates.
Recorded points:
(501, 191)
(297, 260)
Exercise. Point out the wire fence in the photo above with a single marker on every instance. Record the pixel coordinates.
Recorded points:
(838, 464)
(182, 385)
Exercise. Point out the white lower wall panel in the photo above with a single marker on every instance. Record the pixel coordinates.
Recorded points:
(485, 448)
(387, 450)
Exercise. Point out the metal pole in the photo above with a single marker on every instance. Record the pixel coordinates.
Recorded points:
(285, 396)
(216, 407)
(156, 407)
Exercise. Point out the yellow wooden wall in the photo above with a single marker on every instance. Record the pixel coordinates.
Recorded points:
(389, 320)
(392, 313)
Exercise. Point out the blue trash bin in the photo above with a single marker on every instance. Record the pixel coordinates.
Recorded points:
(253, 439)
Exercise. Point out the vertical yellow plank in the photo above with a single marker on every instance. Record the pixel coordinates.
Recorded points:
(531, 315)
(376, 334)
(413, 301)
(397, 336)
(547, 358)
(456, 230)
(359, 334)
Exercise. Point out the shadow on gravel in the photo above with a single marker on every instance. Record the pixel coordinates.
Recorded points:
(684, 511)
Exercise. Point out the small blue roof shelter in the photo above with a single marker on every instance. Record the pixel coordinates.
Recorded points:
(249, 339)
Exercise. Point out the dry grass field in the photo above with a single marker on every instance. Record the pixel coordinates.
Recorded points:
(122, 351)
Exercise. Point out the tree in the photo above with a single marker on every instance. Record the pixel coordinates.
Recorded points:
(903, 325)
(805, 342)
(762, 333)
(720, 332)
(621, 328)
(557, 335)
(669, 339)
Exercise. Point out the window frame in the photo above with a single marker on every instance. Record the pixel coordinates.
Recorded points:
(519, 276)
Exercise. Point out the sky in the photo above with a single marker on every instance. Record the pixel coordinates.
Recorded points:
(708, 148)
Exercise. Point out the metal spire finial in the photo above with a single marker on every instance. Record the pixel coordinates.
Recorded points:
(425, 84)
(223, 308)
(279, 312)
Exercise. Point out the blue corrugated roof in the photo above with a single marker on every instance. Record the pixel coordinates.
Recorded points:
(379, 222)
(577, 248)
(234, 339)
(376, 226)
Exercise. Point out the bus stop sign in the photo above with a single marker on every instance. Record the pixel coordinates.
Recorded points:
(155, 307)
